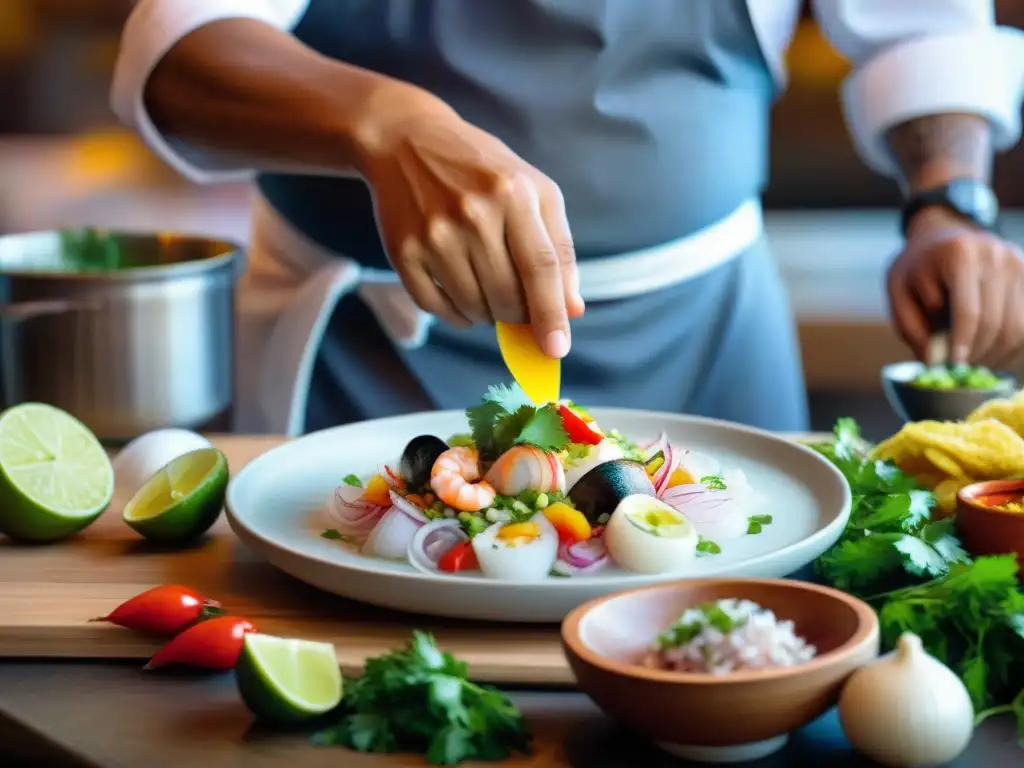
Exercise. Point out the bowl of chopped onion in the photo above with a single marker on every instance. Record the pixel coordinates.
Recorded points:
(719, 670)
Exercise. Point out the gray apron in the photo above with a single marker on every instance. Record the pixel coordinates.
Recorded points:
(652, 117)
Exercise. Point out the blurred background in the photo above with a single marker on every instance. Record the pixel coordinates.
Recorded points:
(64, 160)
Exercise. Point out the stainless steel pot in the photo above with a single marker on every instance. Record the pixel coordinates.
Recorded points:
(128, 332)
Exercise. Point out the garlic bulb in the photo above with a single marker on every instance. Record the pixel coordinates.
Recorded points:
(907, 709)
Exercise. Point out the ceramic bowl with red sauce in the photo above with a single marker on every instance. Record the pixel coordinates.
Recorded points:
(985, 524)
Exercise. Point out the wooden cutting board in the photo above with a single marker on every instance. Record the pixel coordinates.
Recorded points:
(49, 593)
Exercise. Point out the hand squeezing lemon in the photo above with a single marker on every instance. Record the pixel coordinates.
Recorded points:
(539, 376)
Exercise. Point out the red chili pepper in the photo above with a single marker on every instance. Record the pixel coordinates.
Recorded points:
(461, 557)
(577, 429)
(165, 610)
(213, 644)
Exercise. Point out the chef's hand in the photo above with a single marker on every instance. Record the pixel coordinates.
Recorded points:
(950, 268)
(474, 232)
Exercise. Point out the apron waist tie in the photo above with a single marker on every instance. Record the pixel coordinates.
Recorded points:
(293, 286)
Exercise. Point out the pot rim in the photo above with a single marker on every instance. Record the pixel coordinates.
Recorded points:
(232, 255)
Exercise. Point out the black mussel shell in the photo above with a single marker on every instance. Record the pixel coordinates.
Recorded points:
(599, 491)
(418, 458)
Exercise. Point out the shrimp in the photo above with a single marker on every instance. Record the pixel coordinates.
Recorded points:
(455, 478)
(524, 467)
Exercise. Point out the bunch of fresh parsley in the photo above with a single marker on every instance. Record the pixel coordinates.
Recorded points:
(968, 613)
(419, 700)
(506, 417)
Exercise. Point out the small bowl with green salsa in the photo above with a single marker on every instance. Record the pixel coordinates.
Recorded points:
(917, 392)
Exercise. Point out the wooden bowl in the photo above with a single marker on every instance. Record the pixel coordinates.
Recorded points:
(746, 715)
(984, 530)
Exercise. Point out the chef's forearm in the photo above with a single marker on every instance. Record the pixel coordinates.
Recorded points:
(245, 88)
(931, 151)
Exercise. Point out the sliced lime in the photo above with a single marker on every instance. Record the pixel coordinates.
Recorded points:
(288, 681)
(55, 477)
(181, 501)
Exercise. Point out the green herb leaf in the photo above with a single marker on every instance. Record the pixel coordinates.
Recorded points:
(762, 519)
(419, 699)
(510, 397)
(857, 564)
(714, 482)
(920, 558)
(483, 419)
(544, 430)
(352, 480)
(330, 533)
(753, 527)
(707, 547)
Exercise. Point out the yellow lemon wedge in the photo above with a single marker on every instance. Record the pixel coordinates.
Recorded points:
(539, 376)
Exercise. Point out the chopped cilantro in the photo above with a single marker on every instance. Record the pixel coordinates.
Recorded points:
(334, 535)
(544, 430)
(968, 613)
(419, 699)
(714, 482)
(352, 480)
(506, 418)
(707, 547)
(577, 452)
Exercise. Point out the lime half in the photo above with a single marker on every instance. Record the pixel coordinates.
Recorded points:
(55, 477)
(181, 501)
(288, 681)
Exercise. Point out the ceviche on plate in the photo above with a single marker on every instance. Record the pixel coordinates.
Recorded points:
(533, 492)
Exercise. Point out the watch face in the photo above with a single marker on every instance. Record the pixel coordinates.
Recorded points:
(974, 199)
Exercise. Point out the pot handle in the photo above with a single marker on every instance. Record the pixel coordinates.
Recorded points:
(290, 350)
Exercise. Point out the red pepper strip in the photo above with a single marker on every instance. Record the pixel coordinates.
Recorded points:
(577, 429)
(214, 644)
(461, 557)
(165, 610)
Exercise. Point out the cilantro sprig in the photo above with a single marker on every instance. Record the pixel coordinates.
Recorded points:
(506, 417)
(419, 699)
(968, 613)
(890, 534)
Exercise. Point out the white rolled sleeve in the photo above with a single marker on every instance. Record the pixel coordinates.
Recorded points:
(151, 31)
(914, 58)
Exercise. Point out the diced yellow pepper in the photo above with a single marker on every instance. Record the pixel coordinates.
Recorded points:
(378, 491)
(680, 477)
(570, 523)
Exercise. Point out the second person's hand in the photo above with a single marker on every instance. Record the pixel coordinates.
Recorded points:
(950, 268)
(474, 232)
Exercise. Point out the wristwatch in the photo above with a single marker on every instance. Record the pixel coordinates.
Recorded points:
(969, 198)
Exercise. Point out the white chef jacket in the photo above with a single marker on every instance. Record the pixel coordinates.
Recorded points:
(911, 58)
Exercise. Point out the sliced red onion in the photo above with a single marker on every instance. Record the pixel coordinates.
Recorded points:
(697, 502)
(406, 506)
(432, 541)
(664, 473)
(716, 515)
(352, 513)
(583, 554)
(390, 538)
(654, 446)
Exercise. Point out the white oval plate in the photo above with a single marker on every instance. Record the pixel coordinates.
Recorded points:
(276, 506)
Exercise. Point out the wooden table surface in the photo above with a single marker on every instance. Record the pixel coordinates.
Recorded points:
(109, 714)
